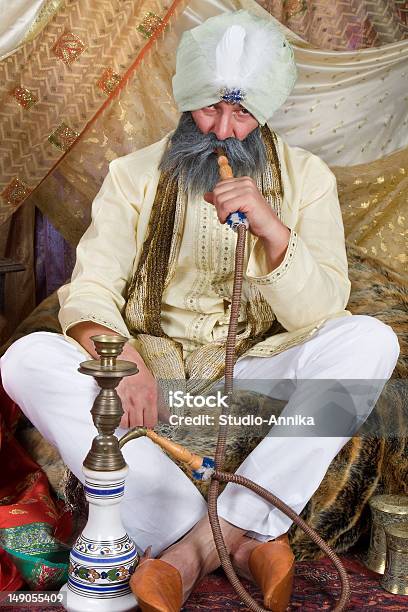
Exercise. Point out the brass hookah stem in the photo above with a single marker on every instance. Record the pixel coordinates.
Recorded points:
(105, 454)
(219, 475)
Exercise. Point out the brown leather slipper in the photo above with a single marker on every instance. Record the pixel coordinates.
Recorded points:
(272, 566)
(157, 586)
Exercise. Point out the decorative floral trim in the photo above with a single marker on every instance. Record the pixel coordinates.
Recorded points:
(281, 270)
(31, 539)
(262, 351)
(98, 319)
(90, 574)
(299, 338)
(104, 549)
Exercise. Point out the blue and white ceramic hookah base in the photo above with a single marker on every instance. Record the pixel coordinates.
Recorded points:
(100, 567)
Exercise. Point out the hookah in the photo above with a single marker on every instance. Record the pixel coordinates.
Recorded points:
(104, 557)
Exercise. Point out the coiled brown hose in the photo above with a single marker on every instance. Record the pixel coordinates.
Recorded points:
(220, 476)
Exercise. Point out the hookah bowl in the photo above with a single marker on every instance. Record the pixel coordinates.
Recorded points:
(104, 557)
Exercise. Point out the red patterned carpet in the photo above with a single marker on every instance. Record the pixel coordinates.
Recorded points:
(316, 587)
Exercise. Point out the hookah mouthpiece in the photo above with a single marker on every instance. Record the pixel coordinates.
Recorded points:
(235, 219)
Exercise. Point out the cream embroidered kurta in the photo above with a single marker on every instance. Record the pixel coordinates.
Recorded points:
(310, 286)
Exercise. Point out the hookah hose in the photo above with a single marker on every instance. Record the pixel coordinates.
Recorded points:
(239, 223)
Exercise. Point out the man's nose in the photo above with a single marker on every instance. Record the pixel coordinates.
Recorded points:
(223, 127)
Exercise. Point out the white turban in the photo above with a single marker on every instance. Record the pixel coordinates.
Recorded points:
(236, 57)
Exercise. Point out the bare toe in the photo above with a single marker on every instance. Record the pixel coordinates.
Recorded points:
(240, 557)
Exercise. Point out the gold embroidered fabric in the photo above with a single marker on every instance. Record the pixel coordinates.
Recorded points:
(61, 69)
(70, 93)
(374, 207)
(343, 24)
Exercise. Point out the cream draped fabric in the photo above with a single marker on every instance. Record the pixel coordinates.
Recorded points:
(348, 107)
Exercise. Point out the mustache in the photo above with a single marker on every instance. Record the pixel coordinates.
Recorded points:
(191, 156)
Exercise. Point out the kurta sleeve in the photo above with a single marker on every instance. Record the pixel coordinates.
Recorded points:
(312, 280)
(104, 258)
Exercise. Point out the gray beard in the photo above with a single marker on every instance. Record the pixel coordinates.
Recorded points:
(190, 156)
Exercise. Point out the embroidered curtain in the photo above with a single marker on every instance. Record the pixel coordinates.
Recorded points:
(51, 89)
(343, 24)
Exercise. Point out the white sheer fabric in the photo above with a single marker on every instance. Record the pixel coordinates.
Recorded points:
(16, 19)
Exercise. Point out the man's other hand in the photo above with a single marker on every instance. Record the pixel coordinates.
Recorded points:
(139, 393)
(140, 396)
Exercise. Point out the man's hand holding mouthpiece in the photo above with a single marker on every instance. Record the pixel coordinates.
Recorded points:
(242, 194)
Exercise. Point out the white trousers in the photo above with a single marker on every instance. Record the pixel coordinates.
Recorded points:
(39, 372)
